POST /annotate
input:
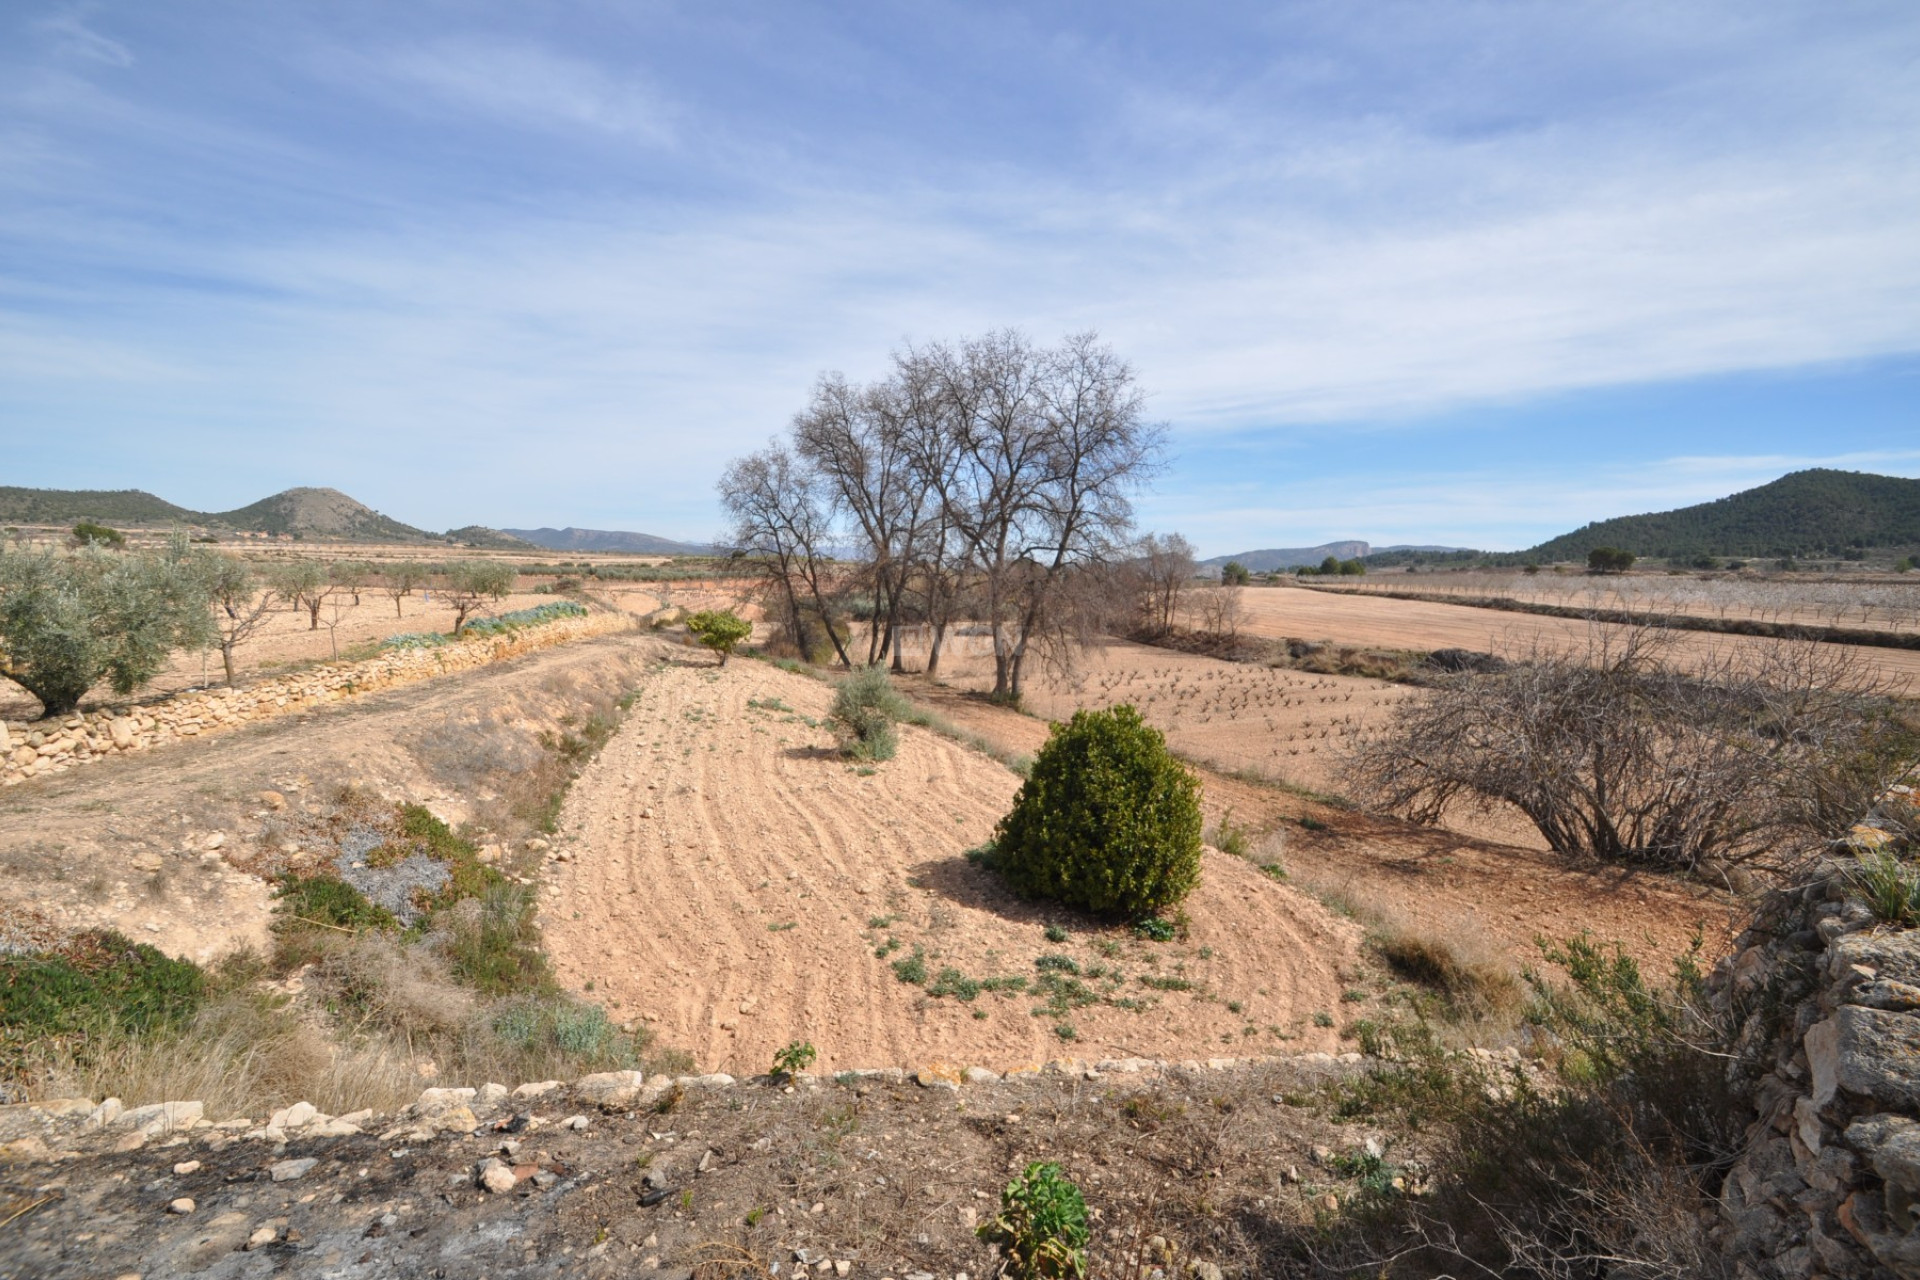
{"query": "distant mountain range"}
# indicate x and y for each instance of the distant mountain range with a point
(607, 540)
(303, 513)
(1803, 513)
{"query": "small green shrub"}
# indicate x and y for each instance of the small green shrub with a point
(1154, 929)
(866, 708)
(913, 969)
(1042, 1224)
(1891, 887)
(493, 941)
(88, 533)
(96, 981)
(1107, 820)
(795, 1058)
(328, 901)
(1055, 933)
(720, 630)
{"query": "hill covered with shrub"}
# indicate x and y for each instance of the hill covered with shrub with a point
(1813, 512)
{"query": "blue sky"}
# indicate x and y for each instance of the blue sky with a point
(1468, 273)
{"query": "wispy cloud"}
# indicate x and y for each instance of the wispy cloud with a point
(637, 236)
(71, 36)
(514, 83)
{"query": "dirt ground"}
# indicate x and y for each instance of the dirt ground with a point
(733, 879)
(1482, 895)
(1394, 623)
(159, 845)
(1285, 725)
(890, 1179)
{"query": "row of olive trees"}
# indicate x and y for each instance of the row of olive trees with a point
(987, 479)
(71, 619)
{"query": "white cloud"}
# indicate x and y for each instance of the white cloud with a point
(521, 83)
(72, 36)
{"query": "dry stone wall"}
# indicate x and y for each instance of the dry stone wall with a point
(1827, 1001)
(38, 749)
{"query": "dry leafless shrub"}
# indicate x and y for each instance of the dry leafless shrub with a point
(1623, 752)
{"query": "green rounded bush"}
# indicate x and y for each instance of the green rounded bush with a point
(1108, 819)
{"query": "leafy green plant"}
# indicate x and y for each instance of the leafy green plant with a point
(913, 969)
(866, 707)
(70, 620)
(720, 630)
(1891, 887)
(1055, 933)
(1107, 820)
(1042, 1225)
(95, 979)
(1154, 929)
(89, 533)
(795, 1058)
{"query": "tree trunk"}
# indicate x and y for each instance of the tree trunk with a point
(226, 660)
(313, 616)
(933, 653)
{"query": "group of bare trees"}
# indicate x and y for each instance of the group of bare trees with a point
(985, 480)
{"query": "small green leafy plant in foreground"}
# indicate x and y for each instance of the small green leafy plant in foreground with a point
(1042, 1225)
(796, 1057)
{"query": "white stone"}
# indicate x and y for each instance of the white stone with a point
(610, 1088)
(431, 1100)
(291, 1170)
(183, 1205)
(105, 1114)
(536, 1089)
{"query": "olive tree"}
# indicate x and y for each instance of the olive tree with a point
(399, 581)
(303, 584)
(239, 607)
(70, 620)
(471, 583)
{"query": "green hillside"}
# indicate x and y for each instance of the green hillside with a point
(1803, 513)
(306, 512)
(70, 506)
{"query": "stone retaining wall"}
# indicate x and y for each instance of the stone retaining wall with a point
(31, 750)
(1827, 1001)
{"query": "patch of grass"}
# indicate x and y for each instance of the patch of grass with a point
(952, 982)
(1056, 964)
(1322, 1018)
(880, 922)
(1311, 823)
(1159, 982)
(782, 928)
(1155, 929)
(1055, 933)
(1232, 838)
(1890, 886)
(913, 969)
(97, 984)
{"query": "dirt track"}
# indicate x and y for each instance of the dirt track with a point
(739, 916)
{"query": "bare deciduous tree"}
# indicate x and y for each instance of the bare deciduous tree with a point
(1623, 753)
(1165, 566)
(778, 515)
